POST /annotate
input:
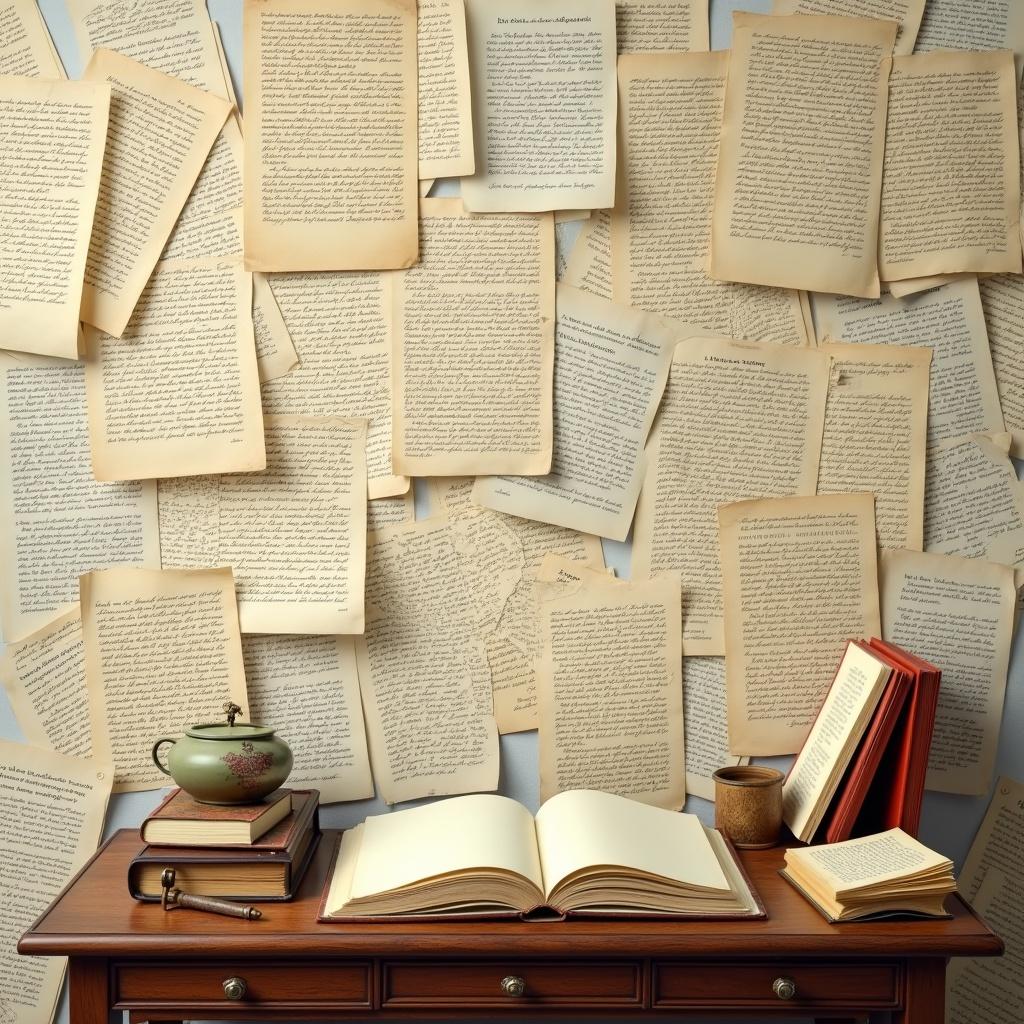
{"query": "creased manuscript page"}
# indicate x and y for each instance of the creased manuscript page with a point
(50, 161)
(972, 25)
(474, 344)
(56, 520)
(907, 13)
(26, 48)
(671, 118)
(956, 613)
(799, 579)
(162, 650)
(611, 692)
(421, 663)
(51, 821)
(951, 182)
(738, 420)
(383, 512)
(193, 328)
(662, 26)
(330, 142)
(589, 266)
(796, 202)
(544, 106)
(707, 733)
(611, 365)
(1002, 298)
(999, 841)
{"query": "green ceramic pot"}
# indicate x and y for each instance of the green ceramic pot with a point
(226, 763)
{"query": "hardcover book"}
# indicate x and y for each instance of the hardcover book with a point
(182, 820)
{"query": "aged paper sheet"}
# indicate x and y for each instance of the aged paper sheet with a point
(963, 398)
(193, 327)
(51, 821)
(907, 14)
(543, 83)
(309, 688)
(445, 107)
(738, 420)
(341, 324)
(796, 202)
(799, 579)
(611, 692)
(707, 734)
(611, 365)
(474, 342)
(956, 613)
(999, 842)
(383, 512)
(50, 166)
(295, 534)
(162, 651)
(589, 266)
(25, 45)
(952, 118)
(671, 115)
(421, 665)
(1002, 298)
(330, 142)
(662, 26)
(56, 520)
(972, 25)
(160, 133)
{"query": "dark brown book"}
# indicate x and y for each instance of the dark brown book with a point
(270, 869)
(181, 820)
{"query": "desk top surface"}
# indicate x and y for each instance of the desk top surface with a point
(95, 916)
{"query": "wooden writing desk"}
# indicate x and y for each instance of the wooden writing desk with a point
(184, 964)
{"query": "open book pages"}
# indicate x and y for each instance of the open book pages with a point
(586, 852)
(888, 873)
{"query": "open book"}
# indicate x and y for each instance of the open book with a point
(486, 856)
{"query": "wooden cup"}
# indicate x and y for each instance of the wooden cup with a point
(748, 805)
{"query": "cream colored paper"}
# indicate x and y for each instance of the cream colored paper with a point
(341, 324)
(445, 108)
(25, 45)
(662, 26)
(799, 579)
(473, 345)
(972, 25)
(738, 420)
(907, 13)
(796, 202)
(383, 512)
(543, 81)
(865, 364)
(178, 393)
(50, 165)
(44, 675)
(225, 71)
(162, 652)
(309, 688)
(707, 735)
(998, 844)
(295, 534)
(330, 143)
(913, 285)
(1002, 298)
(589, 266)
(956, 613)
(671, 115)
(963, 398)
(952, 119)
(56, 521)
(275, 352)
(611, 693)
(421, 662)
(51, 812)
(611, 365)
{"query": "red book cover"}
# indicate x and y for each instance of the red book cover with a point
(179, 806)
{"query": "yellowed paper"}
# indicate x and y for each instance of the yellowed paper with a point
(330, 143)
(50, 166)
(611, 365)
(162, 652)
(543, 83)
(738, 420)
(383, 512)
(611, 692)
(445, 108)
(913, 285)
(952, 118)
(1002, 298)
(799, 579)
(157, 142)
(225, 71)
(796, 202)
(275, 352)
(51, 811)
(56, 521)
(308, 687)
(956, 613)
(662, 26)
(972, 25)
(671, 113)
(907, 13)
(25, 45)
(474, 340)
(178, 393)
(421, 664)
(707, 736)
(998, 844)
(589, 266)
(341, 324)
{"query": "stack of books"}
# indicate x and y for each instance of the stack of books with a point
(244, 852)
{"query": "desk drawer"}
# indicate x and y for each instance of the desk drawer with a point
(752, 985)
(512, 984)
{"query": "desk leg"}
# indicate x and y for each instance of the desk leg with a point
(89, 990)
(924, 1001)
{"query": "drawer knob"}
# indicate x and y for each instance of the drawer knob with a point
(513, 986)
(235, 989)
(784, 988)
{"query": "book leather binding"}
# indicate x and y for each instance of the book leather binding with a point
(179, 807)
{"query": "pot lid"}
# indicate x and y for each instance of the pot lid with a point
(223, 731)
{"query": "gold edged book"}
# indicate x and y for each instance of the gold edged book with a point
(487, 856)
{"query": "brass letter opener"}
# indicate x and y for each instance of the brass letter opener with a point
(173, 898)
